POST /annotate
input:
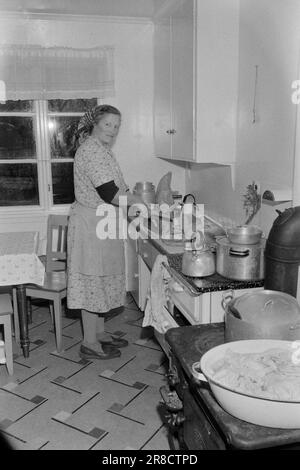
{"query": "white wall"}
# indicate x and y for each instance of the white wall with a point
(133, 41)
(269, 38)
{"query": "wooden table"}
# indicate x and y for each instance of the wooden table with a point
(20, 265)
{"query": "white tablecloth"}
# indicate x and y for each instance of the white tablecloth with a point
(19, 263)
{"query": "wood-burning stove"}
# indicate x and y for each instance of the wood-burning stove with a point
(202, 423)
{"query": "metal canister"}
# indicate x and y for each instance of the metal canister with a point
(146, 190)
(283, 253)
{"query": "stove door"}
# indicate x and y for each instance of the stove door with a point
(198, 432)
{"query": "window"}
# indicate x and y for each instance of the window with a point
(37, 147)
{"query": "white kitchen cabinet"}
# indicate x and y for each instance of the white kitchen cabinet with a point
(144, 282)
(196, 81)
(147, 254)
(195, 309)
(182, 81)
(132, 268)
(162, 89)
(138, 263)
(173, 83)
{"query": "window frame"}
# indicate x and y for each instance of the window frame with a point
(43, 160)
(36, 128)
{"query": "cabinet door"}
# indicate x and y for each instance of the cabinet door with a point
(217, 61)
(131, 268)
(182, 81)
(162, 90)
(144, 282)
(199, 433)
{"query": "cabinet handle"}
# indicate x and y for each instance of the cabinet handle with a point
(171, 131)
(135, 275)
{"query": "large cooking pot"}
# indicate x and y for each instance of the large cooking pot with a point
(263, 314)
(240, 262)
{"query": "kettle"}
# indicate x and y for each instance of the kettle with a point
(198, 259)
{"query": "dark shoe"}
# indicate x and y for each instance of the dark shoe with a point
(109, 352)
(116, 342)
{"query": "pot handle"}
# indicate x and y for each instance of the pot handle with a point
(226, 299)
(198, 240)
(196, 372)
(240, 254)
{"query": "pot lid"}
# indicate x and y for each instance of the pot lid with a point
(224, 241)
(267, 306)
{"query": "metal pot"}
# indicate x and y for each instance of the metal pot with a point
(240, 262)
(264, 314)
(244, 234)
(144, 186)
(146, 190)
(198, 259)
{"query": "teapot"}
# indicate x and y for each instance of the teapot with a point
(198, 259)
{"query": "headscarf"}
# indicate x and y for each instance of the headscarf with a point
(90, 118)
(86, 124)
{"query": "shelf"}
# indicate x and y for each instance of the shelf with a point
(274, 203)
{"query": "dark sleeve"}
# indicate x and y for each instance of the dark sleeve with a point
(107, 191)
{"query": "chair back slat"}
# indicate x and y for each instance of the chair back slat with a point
(59, 238)
(64, 242)
(56, 251)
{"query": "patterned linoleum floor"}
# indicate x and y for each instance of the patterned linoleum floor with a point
(61, 402)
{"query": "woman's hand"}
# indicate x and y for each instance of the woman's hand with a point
(132, 204)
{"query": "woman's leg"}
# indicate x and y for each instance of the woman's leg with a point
(106, 338)
(101, 333)
(89, 323)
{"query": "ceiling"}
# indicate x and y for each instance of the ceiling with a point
(131, 8)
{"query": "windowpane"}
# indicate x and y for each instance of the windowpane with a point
(17, 106)
(69, 106)
(63, 183)
(19, 184)
(17, 138)
(62, 136)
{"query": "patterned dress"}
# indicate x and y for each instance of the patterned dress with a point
(96, 268)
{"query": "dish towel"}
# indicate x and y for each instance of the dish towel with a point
(157, 295)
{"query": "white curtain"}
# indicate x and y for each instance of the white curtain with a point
(37, 73)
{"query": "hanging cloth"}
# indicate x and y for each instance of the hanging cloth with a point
(31, 72)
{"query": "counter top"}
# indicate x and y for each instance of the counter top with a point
(188, 344)
(198, 286)
(195, 286)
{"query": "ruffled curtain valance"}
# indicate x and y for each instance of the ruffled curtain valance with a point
(37, 73)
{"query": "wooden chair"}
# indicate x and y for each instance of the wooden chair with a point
(6, 312)
(55, 285)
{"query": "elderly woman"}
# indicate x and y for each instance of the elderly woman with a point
(96, 267)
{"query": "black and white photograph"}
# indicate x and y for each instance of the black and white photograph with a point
(149, 227)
